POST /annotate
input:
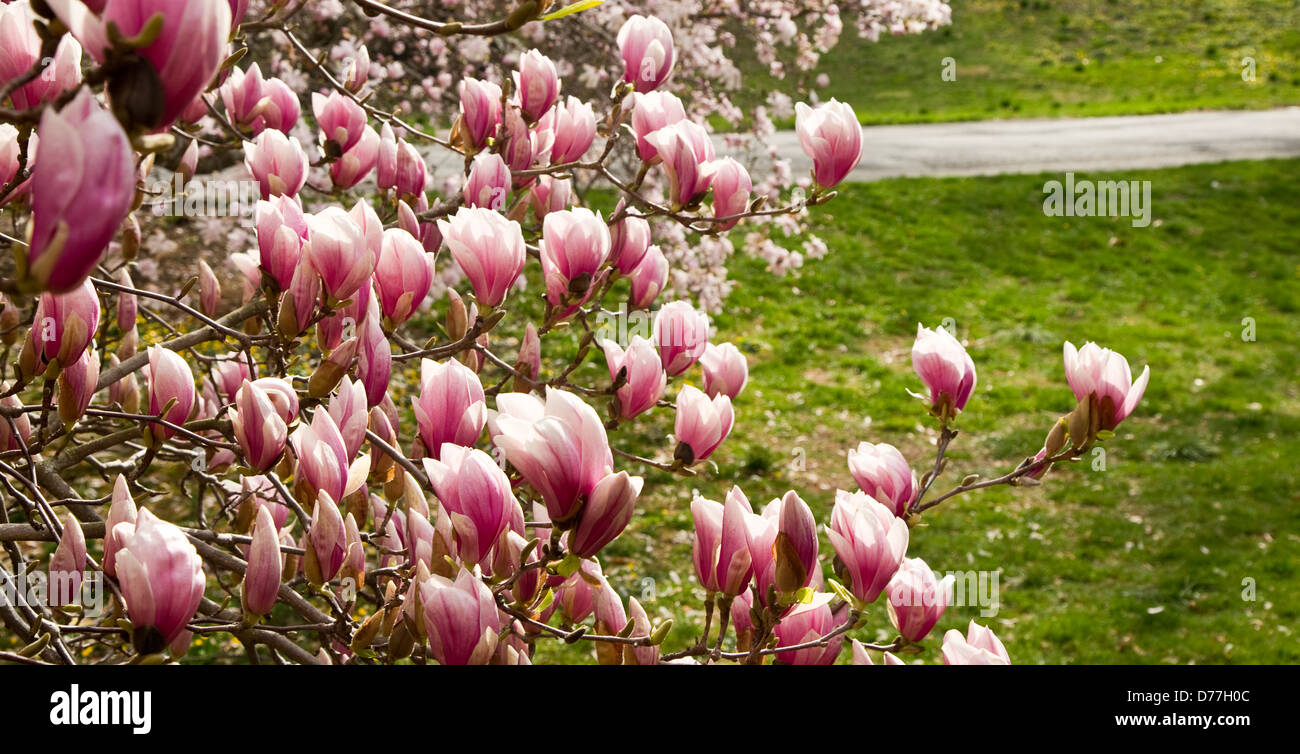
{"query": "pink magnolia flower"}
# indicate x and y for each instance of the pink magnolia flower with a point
(126, 391)
(460, 618)
(805, 623)
(831, 136)
(870, 541)
(610, 615)
(574, 124)
(607, 513)
(127, 306)
(186, 54)
(648, 278)
(415, 531)
(450, 407)
(558, 445)
(629, 239)
(651, 112)
(326, 542)
(281, 232)
(795, 547)
(258, 427)
(121, 511)
(488, 183)
(189, 162)
(681, 333)
(480, 110)
(427, 231)
(731, 189)
(300, 299)
(946, 369)
(17, 435)
(242, 93)
(77, 385)
(643, 375)
(10, 148)
(194, 112)
(356, 163)
(282, 397)
(386, 167)
(64, 325)
(549, 195)
(517, 149)
(237, 10)
(169, 378)
(261, 585)
(641, 627)
(277, 162)
(68, 563)
(883, 473)
(980, 646)
(475, 492)
(646, 46)
(741, 619)
(763, 531)
(322, 457)
(161, 576)
(574, 248)
(860, 656)
(1101, 375)
(412, 173)
(209, 289)
(721, 545)
(339, 252)
(529, 361)
(702, 424)
(917, 599)
(576, 596)
(372, 231)
(374, 358)
(354, 560)
(342, 324)
(341, 120)
(279, 107)
(688, 158)
(725, 370)
(488, 248)
(356, 71)
(403, 275)
(81, 192)
(537, 83)
(20, 49)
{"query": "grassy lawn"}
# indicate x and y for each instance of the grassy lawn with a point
(1142, 562)
(1040, 58)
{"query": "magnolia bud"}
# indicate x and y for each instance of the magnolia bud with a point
(401, 643)
(1080, 424)
(457, 316)
(370, 629)
(130, 238)
(331, 370)
(1056, 438)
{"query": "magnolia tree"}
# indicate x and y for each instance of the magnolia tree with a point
(362, 438)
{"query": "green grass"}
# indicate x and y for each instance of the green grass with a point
(1034, 58)
(1143, 562)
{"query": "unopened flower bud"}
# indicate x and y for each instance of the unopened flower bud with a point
(331, 370)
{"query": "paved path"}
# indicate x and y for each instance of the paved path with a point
(1057, 145)
(993, 147)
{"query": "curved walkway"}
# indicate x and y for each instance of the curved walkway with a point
(1056, 145)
